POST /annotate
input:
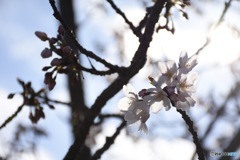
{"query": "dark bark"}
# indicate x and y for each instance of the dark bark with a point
(76, 91)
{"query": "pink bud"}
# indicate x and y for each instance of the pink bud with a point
(46, 53)
(61, 30)
(142, 93)
(67, 49)
(55, 62)
(53, 40)
(41, 35)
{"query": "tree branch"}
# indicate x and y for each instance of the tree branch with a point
(118, 11)
(97, 72)
(189, 122)
(227, 6)
(137, 63)
(109, 142)
(12, 116)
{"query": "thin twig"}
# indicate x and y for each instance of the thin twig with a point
(189, 122)
(203, 46)
(12, 116)
(227, 6)
(104, 116)
(97, 72)
(109, 142)
(54, 101)
(132, 27)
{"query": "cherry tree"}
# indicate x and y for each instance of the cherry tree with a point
(172, 88)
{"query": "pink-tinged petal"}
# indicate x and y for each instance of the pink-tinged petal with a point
(142, 93)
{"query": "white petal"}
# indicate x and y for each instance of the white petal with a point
(123, 104)
(156, 107)
(183, 78)
(161, 81)
(192, 61)
(166, 103)
(128, 88)
(192, 77)
(162, 67)
(171, 66)
(183, 59)
(191, 101)
(182, 70)
(130, 118)
(182, 105)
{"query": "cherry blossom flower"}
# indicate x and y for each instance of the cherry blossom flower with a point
(174, 87)
(168, 70)
(135, 109)
(130, 97)
(157, 97)
(186, 64)
(185, 88)
(138, 111)
(186, 83)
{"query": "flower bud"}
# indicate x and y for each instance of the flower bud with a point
(46, 53)
(48, 77)
(67, 49)
(41, 35)
(55, 62)
(61, 30)
(53, 40)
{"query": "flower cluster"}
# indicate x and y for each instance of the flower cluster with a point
(67, 62)
(33, 99)
(174, 87)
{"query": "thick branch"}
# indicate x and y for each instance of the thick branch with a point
(137, 63)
